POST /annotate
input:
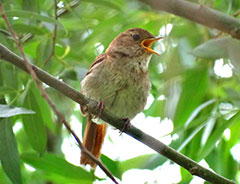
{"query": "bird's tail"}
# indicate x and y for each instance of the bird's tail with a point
(93, 139)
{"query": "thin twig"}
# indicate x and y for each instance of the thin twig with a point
(64, 10)
(54, 35)
(51, 104)
(236, 13)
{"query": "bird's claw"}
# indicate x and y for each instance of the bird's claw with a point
(126, 125)
(101, 108)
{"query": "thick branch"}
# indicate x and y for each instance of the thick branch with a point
(153, 143)
(200, 14)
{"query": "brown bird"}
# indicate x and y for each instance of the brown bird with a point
(118, 79)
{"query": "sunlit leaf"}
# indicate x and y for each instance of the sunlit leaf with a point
(217, 134)
(215, 48)
(8, 111)
(234, 54)
(111, 165)
(135, 163)
(221, 160)
(155, 109)
(197, 110)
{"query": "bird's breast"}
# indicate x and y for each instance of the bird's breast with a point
(122, 88)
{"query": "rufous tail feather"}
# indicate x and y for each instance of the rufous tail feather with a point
(93, 139)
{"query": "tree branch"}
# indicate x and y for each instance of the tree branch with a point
(193, 167)
(200, 14)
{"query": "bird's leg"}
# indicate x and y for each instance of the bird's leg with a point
(126, 125)
(101, 108)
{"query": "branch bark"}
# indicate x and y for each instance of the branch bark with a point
(193, 167)
(199, 14)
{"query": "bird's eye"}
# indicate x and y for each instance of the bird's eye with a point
(136, 37)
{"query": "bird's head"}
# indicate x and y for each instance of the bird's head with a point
(134, 42)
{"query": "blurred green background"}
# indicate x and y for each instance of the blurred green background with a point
(195, 84)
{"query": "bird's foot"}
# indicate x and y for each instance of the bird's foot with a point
(100, 107)
(126, 125)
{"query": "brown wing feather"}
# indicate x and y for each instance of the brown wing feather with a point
(98, 59)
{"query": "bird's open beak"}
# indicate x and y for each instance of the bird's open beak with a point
(147, 43)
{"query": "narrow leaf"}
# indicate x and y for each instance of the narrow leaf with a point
(50, 163)
(8, 152)
(33, 123)
(30, 15)
(234, 54)
(25, 28)
(106, 4)
(197, 110)
(217, 134)
(194, 86)
(212, 49)
(137, 162)
(8, 111)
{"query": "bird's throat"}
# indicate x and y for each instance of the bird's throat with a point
(140, 65)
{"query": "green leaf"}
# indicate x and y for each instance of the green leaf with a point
(197, 111)
(118, 168)
(184, 49)
(212, 49)
(221, 160)
(8, 152)
(8, 111)
(217, 134)
(45, 110)
(137, 162)
(32, 5)
(234, 54)
(33, 123)
(225, 47)
(190, 137)
(111, 165)
(25, 28)
(50, 163)
(194, 85)
(6, 90)
(43, 50)
(30, 15)
(155, 110)
(105, 3)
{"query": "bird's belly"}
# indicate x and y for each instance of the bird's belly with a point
(123, 95)
(125, 101)
(128, 102)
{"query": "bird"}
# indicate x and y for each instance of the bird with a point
(118, 79)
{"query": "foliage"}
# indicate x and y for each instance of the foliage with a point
(202, 102)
